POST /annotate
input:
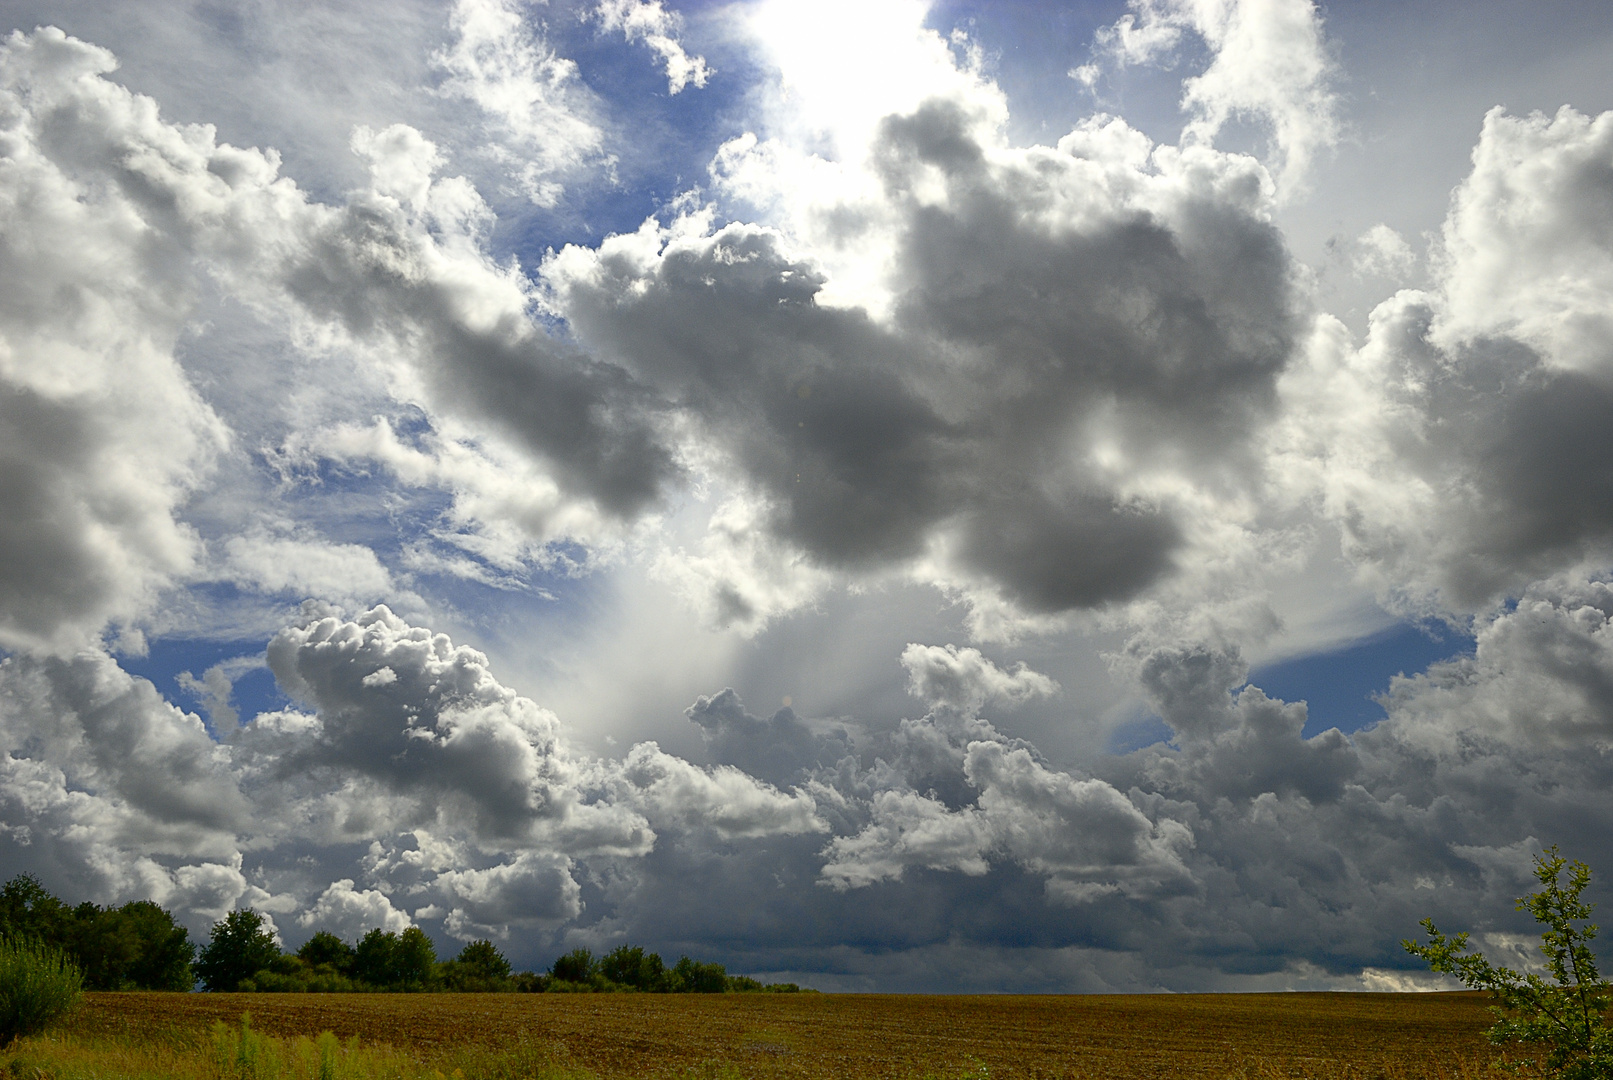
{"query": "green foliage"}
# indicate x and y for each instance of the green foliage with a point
(238, 949)
(326, 950)
(163, 954)
(1566, 1016)
(577, 966)
(134, 947)
(692, 977)
(479, 968)
(38, 984)
(406, 961)
(630, 965)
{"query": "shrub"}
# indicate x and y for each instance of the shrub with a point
(38, 983)
(1567, 1015)
(239, 948)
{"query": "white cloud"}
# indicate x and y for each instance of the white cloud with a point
(964, 680)
(531, 96)
(650, 22)
(350, 913)
(1382, 252)
(102, 437)
(1268, 61)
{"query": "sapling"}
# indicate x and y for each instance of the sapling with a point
(1565, 1017)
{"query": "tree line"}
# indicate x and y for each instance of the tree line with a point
(139, 946)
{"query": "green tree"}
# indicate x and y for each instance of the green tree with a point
(165, 953)
(327, 950)
(479, 968)
(375, 959)
(692, 977)
(29, 911)
(416, 960)
(238, 948)
(630, 965)
(1566, 1016)
(577, 966)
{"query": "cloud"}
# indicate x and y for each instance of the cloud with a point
(102, 436)
(1456, 448)
(964, 680)
(350, 913)
(1268, 61)
(867, 451)
(530, 95)
(307, 566)
(1382, 252)
(650, 22)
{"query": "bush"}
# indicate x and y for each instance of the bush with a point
(1567, 1015)
(38, 983)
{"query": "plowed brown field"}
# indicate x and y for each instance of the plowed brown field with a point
(876, 1036)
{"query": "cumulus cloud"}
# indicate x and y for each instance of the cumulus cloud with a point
(1456, 447)
(102, 436)
(350, 913)
(925, 441)
(1268, 61)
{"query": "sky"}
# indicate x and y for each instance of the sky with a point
(966, 496)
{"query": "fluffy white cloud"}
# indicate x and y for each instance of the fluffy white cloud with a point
(1268, 61)
(101, 434)
(1458, 448)
(350, 913)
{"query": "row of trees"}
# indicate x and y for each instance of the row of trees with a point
(242, 955)
(138, 946)
(629, 967)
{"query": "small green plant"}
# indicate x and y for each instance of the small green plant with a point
(1566, 1016)
(37, 984)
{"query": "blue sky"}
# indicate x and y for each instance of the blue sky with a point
(904, 496)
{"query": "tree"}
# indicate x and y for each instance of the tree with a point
(165, 953)
(325, 949)
(416, 960)
(375, 958)
(479, 967)
(405, 961)
(1566, 1016)
(630, 965)
(692, 977)
(238, 949)
(577, 966)
(28, 910)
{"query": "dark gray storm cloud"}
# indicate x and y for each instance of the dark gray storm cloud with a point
(1037, 325)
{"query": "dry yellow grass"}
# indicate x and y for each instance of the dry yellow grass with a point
(1214, 1037)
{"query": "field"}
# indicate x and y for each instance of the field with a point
(609, 1036)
